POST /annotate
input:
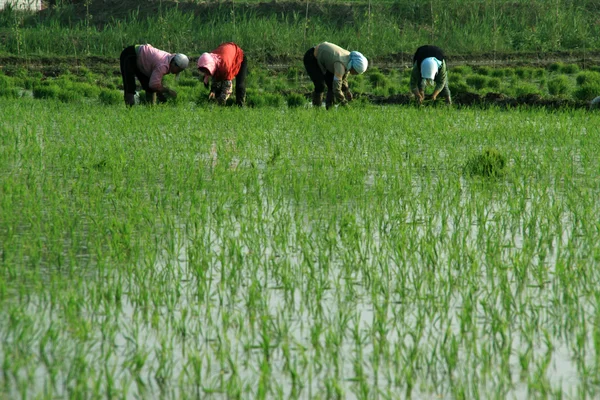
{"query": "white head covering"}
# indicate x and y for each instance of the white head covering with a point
(429, 68)
(181, 60)
(358, 62)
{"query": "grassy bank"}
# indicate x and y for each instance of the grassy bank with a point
(274, 31)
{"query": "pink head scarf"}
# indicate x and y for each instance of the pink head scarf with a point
(208, 61)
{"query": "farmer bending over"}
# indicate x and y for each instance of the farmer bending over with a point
(429, 67)
(149, 65)
(222, 65)
(329, 64)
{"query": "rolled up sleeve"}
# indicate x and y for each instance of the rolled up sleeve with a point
(339, 76)
(157, 77)
(441, 78)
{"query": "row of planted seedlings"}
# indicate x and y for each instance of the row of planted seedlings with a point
(291, 86)
(291, 254)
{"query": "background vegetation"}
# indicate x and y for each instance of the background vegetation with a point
(284, 30)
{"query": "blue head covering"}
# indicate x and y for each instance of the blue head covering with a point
(358, 62)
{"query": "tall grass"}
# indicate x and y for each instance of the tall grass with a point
(282, 30)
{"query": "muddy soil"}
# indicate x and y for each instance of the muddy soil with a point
(468, 99)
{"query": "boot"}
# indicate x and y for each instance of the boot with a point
(317, 99)
(329, 100)
(129, 99)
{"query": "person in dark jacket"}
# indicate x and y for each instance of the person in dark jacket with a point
(429, 68)
(149, 65)
(223, 64)
(329, 64)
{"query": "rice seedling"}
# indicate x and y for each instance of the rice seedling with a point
(287, 252)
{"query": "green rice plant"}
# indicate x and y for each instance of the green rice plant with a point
(378, 80)
(110, 97)
(10, 92)
(188, 82)
(556, 67)
(587, 91)
(569, 69)
(484, 70)
(462, 70)
(494, 83)
(85, 90)
(295, 100)
(524, 72)
(489, 163)
(458, 86)
(67, 95)
(524, 89)
(46, 91)
(587, 77)
(477, 81)
(588, 85)
(212, 246)
(559, 85)
(273, 100)
(6, 82)
(498, 72)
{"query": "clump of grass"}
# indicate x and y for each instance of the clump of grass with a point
(273, 100)
(378, 80)
(188, 82)
(587, 77)
(462, 70)
(494, 83)
(489, 163)
(525, 88)
(10, 92)
(458, 86)
(255, 99)
(524, 72)
(5, 82)
(484, 70)
(67, 96)
(46, 92)
(110, 97)
(587, 92)
(588, 83)
(559, 85)
(477, 81)
(556, 67)
(570, 69)
(295, 100)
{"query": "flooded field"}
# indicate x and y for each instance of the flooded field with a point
(198, 252)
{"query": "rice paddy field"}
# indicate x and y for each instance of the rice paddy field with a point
(382, 250)
(364, 252)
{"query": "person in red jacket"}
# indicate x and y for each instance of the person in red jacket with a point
(222, 65)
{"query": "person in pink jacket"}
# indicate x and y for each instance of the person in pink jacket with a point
(149, 65)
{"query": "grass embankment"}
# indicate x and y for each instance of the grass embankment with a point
(283, 31)
(297, 253)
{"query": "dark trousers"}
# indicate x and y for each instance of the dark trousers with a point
(130, 70)
(316, 75)
(240, 83)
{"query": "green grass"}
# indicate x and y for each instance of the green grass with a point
(291, 86)
(282, 30)
(296, 253)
